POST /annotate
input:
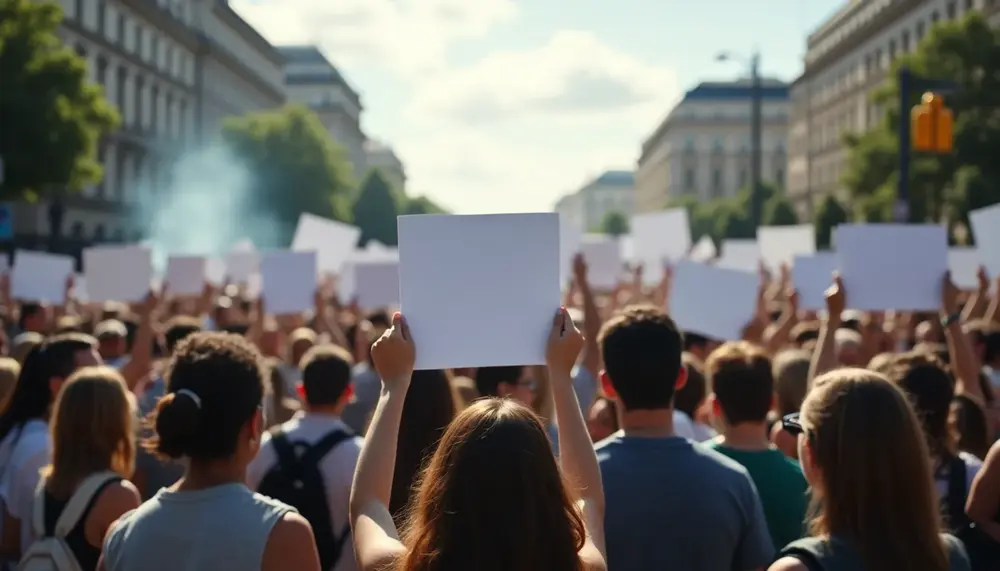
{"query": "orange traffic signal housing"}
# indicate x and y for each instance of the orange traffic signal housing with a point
(931, 125)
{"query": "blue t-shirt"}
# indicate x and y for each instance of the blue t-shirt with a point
(675, 504)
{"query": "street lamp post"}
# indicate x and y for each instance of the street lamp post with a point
(756, 119)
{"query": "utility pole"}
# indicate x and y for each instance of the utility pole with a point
(756, 98)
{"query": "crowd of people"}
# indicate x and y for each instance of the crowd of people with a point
(207, 435)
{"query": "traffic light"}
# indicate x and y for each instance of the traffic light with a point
(931, 125)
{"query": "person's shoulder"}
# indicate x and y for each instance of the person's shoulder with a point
(958, 558)
(609, 443)
(270, 504)
(970, 460)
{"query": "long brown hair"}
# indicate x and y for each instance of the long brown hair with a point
(92, 427)
(493, 499)
(873, 462)
(427, 411)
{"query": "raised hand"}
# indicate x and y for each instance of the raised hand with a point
(564, 345)
(836, 298)
(394, 354)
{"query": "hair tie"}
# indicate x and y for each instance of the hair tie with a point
(190, 394)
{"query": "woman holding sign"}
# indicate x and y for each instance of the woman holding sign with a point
(492, 496)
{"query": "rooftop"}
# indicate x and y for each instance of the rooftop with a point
(615, 178)
(741, 89)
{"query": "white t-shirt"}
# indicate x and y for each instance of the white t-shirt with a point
(23, 454)
(337, 468)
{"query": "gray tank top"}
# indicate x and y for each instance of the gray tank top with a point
(224, 528)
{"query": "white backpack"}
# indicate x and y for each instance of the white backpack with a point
(51, 553)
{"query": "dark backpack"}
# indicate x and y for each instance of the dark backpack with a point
(297, 480)
(983, 551)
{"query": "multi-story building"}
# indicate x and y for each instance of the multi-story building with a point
(311, 79)
(173, 69)
(380, 156)
(612, 191)
(847, 57)
(703, 147)
(239, 70)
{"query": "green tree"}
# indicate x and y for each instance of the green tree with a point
(967, 52)
(421, 205)
(829, 215)
(296, 166)
(778, 211)
(51, 116)
(614, 223)
(375, 210)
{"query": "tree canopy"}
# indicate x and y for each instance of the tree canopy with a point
(778, 211)
(614, 223)
(421, 205)
(829, 214)
(51, 115)
(375, 210)
(729, 217)
(296, 165)
(942, 187)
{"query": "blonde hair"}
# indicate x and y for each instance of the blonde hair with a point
(92, 428)
(873, 462)
(9, 371)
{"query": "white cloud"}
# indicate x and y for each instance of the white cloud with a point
(573, 74)
(410, 37)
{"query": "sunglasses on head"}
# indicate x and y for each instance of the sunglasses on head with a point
(792, 424)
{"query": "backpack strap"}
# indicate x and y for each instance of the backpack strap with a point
(75, 508)
(284, 450)
(325, 445)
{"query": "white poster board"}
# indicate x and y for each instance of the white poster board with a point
(985, 224)
(739, 254)
(186, 275)
(332, 241)
(242, 266)
(892, 266)
(963, 263)
(40, 276)
(660, 238)
(604, 261)
(711, 301)
(118, 273)
(373, 284)
(570, 237)
(288, 281)
(780, 244)
(479, 290)
(812, 275)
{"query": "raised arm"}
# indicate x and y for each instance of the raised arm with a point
(376, 540)
(825, 355)
(963, 361)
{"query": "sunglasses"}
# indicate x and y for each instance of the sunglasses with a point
(792, 424)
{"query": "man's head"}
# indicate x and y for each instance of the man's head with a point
(742, 383)
(112, 339)
(641, 348)
(326, 377)
(34, 317)
(178, 329)
(299, 343)
(60, 356)
(514, 381)
(926, 381)
(847, 344)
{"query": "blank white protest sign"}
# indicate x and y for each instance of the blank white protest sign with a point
(569, 246)
(479, 290)
(715, 302)
(812, 275)
(660, 237)
(333, 241)
(288, 281)
(373, 283)
(186, 275)
(985, 224)
(963, 263)
(118, 273)
(40, 276)
(242, 266)
(604, 260)
(739, 254)
(780, 244)
(892, 266)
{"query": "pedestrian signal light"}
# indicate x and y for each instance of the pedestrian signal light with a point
(931, 125)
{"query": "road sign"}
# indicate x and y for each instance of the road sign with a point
(6, 222)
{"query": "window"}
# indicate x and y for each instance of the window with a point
(689, 143)
(935, 17)
(120, 95)
(99, 234)
(137, 38)
(121, 29)
(79, 11)
(968, 5)
(718, 145)
(743, 177)
(920, 30)
(689, 179)
(102, 157)
(951, 10)
(154, 107)
(892, 50)
(81, 51)
(102, 71)
(120, 181)
(168, 59)
(140, 88)
(182, 119)
(101, 16)
(779, 176)
(168, 119)
(716, 182)
(155, 50)
(906, 41)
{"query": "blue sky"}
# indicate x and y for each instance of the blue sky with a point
(506, 105)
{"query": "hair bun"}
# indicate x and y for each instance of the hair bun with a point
(177, 417)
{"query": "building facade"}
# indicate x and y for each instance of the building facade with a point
(380, 156)
(173, 69)
(612, 191)
(702, 148)
(847, 57)
(311, 79)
